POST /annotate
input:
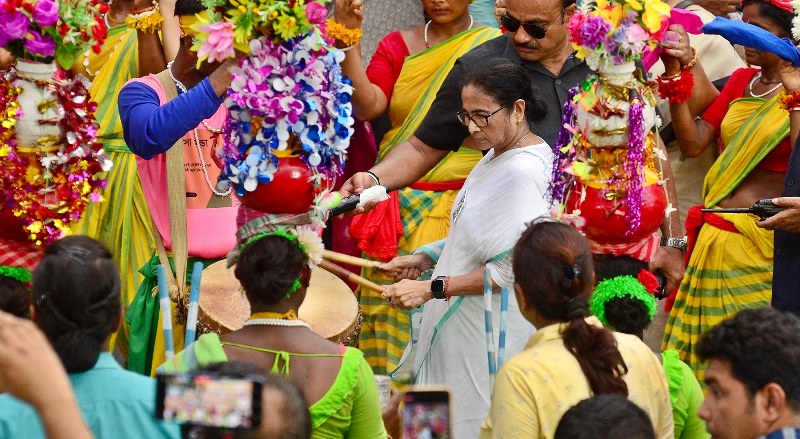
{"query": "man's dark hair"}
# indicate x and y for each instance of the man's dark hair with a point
(76, 288)
(295, 418)
(188, 7)
(605, 417)
(762, 347)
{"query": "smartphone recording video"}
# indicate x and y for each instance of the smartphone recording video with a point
(209, 400)
(426, 414)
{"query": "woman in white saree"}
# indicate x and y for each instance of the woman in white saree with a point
(505, 190)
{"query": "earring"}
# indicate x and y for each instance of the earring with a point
(519, 121)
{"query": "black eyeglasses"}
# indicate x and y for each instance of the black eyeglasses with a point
(534, 30)
(480, 120)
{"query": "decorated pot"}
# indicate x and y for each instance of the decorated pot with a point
(603, 106)
(604, 213)
(41, 113)
(290, 191)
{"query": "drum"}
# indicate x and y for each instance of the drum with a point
(330, 307)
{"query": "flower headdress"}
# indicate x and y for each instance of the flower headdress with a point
(284, 89)
(43, 30)
(298, 229)
(625, 286)
(23, 275)
(616, 31)
(231, 24)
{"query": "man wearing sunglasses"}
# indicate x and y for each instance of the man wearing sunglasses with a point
(538, 39)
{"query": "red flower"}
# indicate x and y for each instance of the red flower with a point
(103, 8)
(28, 7)
(649, 280)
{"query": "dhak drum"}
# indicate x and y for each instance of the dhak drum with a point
(330, 307)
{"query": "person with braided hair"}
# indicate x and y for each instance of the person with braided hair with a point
(572, 356)
(624, 301)
(77, 305)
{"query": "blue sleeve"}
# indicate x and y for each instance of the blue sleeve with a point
(151, 129)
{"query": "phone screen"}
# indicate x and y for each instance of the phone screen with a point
(426, 414)
(209, 400)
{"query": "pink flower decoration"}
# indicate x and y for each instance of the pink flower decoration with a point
(46, 13)
(316, 13)
(219, 45)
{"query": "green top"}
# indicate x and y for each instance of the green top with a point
(349, 409)
(686, 396)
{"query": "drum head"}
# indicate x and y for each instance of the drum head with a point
(330, 307)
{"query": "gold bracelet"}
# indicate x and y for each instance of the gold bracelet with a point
(692, 62)
(670, 77)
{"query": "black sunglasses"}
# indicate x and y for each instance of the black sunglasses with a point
(534, 30)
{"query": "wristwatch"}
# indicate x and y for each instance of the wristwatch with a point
(438, 287)
(679, 243)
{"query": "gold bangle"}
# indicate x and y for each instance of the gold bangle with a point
(692, 62)
(670, 77)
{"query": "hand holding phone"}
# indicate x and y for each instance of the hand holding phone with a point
(210, 400)
(426, 414)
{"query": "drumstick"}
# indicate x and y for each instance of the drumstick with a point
(349, 276)
(352, 260)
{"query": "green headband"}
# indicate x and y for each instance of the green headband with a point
(21, 274)
(617, 288)
(283, 233)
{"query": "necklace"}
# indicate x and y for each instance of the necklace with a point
(513, 147)
(425, 33)
(105, 16)
(756, 77)
(276, 322)
(197, 141)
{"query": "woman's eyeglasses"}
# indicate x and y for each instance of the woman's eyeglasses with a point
(534, 30)
(480, 120)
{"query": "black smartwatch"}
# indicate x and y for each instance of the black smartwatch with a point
(438, 287)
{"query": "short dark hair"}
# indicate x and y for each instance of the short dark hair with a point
(776, 15)
(553, 267)
(506, 81)
(295, 417)
(268, 268)
(76, 288)
(15, 297)
(762, 347)
(605, 417)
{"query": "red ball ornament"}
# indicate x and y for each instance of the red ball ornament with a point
(290, 190)
(605, 219)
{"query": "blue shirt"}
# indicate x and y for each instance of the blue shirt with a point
(115, 403)
(786, 433)
(150, 128)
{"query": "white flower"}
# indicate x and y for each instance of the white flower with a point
(307, 236)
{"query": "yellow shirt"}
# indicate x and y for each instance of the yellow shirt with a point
(534, 388)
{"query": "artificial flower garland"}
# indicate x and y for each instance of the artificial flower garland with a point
(44, 30)
(337, 31)
(147, 21)
(286, 90)
(49, 198)
(789, 101)
(619, 287)
(230, 24)
(676, 88)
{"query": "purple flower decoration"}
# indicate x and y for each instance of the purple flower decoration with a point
(40, 45)
(316, 13)
(594, 31)
(13, 25)
(46, 13)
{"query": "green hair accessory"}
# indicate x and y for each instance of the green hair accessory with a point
(21, 274)
(283, 233)
(617, 288)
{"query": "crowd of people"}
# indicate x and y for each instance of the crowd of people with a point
(471, 102)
